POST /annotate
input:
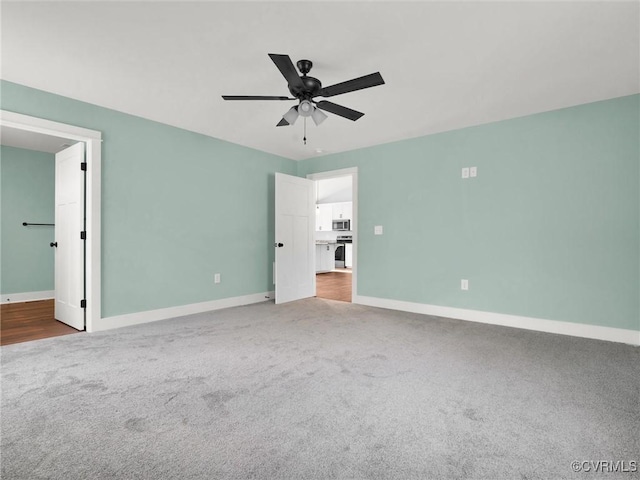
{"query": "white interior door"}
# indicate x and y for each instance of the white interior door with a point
(295, 244)
(69, 252)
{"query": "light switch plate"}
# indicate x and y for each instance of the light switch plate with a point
(465, 172)
(377, 230)
(473, 172)
(464, 284)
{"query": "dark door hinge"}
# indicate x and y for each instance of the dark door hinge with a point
(83, 166)
(83, 303)
(83, 235)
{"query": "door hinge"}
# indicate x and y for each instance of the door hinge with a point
(83, 235)
(83, 166)
(83, 303)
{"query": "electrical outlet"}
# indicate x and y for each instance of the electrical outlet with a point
(464, 284)
(473, 172)
(216, 278)
(465, 172)
(377, 230)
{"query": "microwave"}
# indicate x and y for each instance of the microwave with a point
(341, 225)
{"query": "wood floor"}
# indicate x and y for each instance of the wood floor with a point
(23, 322)
(334, 285)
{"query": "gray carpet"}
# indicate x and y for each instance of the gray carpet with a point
(316, 389)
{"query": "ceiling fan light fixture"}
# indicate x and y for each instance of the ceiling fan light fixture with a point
(305, 108)
(291, 116)
(318, 116)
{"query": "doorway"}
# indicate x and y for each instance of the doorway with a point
(336, 233)
(42, 268)
(27, 315)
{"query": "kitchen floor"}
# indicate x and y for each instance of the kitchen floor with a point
(335, 285)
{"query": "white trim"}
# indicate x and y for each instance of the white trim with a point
(130, 319)
(597, 332)
(40, 125)
(27, 296)
(93, 140)
(353, 171)
(343, 172)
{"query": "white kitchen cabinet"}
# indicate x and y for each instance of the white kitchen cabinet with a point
(325, 257)
(324, 213)
(348, 255)
(342, 210)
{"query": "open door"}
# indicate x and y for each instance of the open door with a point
(294, 242)
(69, 248)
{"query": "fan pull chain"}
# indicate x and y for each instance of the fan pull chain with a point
(305, 131)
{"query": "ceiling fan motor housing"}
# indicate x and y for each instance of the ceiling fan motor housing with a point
(310, 86)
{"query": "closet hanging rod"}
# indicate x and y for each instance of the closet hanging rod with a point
(25, 224)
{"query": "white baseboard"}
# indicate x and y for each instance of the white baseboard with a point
(117, 321)
(27, 296)
(609, 334)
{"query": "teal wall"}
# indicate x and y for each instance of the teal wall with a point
(177, 207)
(548, 229)
(27, 184)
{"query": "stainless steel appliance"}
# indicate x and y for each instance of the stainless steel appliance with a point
(342, 225)
(342, 240)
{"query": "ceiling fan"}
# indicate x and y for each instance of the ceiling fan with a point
(305, 89)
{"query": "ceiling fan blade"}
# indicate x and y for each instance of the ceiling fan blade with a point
(339, 110)
(254, 97)
(282, 123)
(289, 72)
(371, 80)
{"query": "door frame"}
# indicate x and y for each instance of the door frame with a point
(93, 157)
(343, 172)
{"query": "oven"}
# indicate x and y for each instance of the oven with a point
(341, 250)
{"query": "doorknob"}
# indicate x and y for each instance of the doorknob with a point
(53, 244)
(279, 245)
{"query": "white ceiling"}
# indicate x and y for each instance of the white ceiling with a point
(333, 190)
(14, 137)
(447, 65)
